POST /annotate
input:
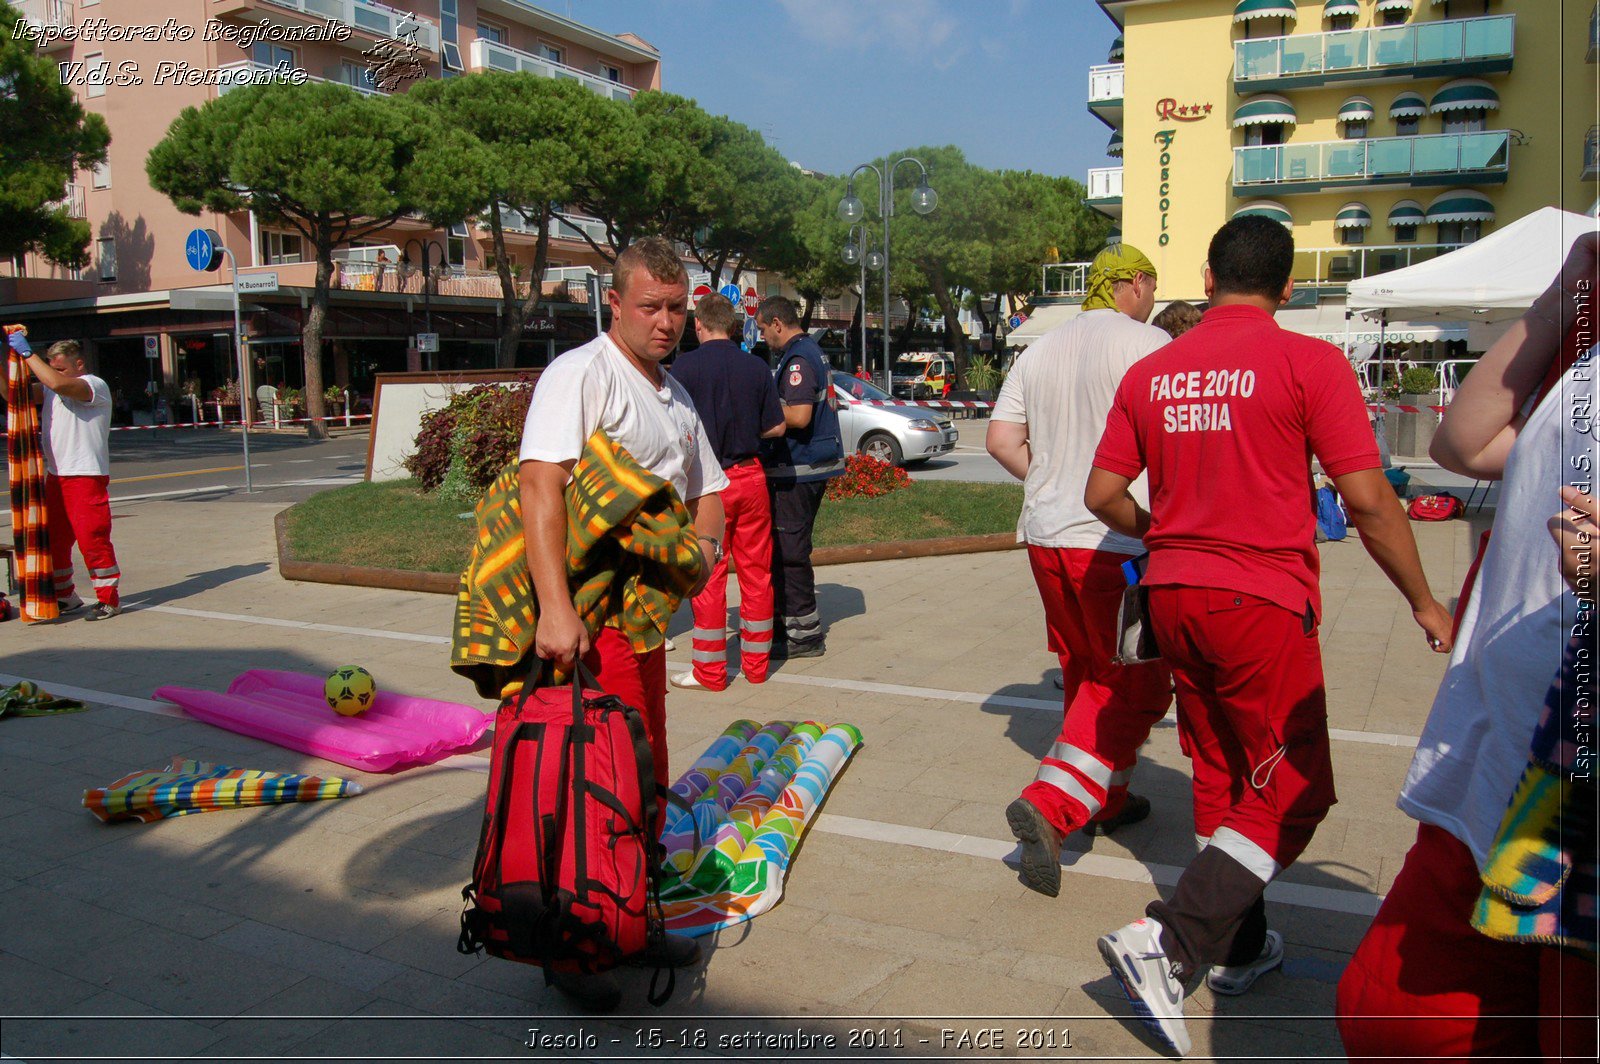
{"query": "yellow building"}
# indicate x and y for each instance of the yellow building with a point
(1382, 132)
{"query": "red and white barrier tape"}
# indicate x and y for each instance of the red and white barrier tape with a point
(932, 404)
(1378, 408)
(332, 418)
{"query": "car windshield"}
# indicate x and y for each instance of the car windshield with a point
(857, 388)
(909, 367)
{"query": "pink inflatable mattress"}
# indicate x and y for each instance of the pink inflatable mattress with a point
(287, 708)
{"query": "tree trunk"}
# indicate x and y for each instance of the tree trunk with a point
(511, 304)
(952, 323)
(541, 262)
(805, 318)
(311, 339)
(910, 327)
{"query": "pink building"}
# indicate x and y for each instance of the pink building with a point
(186, 52)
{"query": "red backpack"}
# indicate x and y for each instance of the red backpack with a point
(1440, 507)
(567, 875)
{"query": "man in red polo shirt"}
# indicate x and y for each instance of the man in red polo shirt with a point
(1225, 419)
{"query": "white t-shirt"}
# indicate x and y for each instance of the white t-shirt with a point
(1517, 623)
(1062, 388)
(77, 435)
(596, 387)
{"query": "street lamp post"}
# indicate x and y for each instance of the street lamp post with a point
(427, 304)
(851, 210)
(853, 254)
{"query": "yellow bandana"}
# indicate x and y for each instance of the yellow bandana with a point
(1118, 262)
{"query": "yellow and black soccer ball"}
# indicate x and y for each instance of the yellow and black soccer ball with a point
(350, 689)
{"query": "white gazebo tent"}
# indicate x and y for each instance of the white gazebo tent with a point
(1491, 280)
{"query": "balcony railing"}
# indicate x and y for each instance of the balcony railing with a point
(1105, 83)
(1591, 154)
(1105, 182)
(72, 200)
(572, 228)
(1339, 265)
(380, 20)
(1382, 51)
(249, 72)
(1065, 279)
(1389, 160)
(49, 18)
(487, 55)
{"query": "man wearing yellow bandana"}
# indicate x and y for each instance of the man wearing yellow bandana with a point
(1044, 430)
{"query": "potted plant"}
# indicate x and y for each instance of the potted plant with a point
(1410, 432)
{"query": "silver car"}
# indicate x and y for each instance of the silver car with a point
(900, 435)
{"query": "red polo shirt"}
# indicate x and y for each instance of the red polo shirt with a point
(1226, 419)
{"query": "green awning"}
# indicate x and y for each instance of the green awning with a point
(1114, 148)
(1357, 109)
(1407, 212)
(1116, 50)
(1465, 94)
(1335, 8)
(1266, 209)
(1461, 205)
(1245, 10)
(1408, 105)
(1352, 216)
(1114, 237)
(1266, 109)
(1394, 5)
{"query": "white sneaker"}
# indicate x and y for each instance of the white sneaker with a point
(1135, 957)
(1241, 977)
(672, 647)
(687, 680)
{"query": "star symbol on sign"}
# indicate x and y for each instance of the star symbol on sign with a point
(1208, 108)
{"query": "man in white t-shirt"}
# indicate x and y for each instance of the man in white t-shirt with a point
(1044, 430)
(616, 383)
(76, 426)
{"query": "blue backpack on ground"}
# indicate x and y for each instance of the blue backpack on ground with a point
(1330, 514)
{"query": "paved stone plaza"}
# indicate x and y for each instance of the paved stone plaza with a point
(329, 928)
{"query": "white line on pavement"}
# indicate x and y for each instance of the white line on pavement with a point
(803, 679)
(1124, 869)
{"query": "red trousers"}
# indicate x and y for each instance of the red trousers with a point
(1252, 716)
(1107, 709)
(748, 541)
(640, 680)
(78, 510)
(1425, 984)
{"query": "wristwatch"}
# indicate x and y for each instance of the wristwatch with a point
(716, 549)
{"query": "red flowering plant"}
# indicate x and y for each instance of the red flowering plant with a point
(866, 477)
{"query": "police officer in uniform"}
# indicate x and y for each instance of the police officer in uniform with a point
(808, 455)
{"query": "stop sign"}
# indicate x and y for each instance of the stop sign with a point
(751, 301)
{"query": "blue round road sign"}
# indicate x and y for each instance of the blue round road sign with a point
(202, 249)
(731, 293)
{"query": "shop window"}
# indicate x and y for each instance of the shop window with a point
(1459, 232)
(106, 252)
(1405, 234)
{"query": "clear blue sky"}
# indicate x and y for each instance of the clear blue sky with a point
(834, 83)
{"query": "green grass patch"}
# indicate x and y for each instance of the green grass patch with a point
(392, 525)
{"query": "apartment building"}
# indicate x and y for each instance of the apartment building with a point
(150, 319)
(1382, 132)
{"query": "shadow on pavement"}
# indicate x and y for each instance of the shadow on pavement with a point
(196, 583)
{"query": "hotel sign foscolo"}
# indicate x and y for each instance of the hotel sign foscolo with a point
(1170, 110)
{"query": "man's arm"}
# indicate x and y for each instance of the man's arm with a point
(1484, 417)
(1106, 495)
(63, 385)
(542, 485)
(796, 417)
(1007, 443)
(1386, 536)
(777, 430)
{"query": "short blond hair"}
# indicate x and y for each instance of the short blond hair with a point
(654, 254)
(71, 348)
